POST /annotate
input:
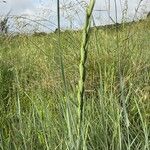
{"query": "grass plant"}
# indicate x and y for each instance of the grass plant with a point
(36, 110)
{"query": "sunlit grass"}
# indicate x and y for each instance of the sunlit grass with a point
(35, 113)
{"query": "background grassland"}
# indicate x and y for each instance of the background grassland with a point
(38, 111)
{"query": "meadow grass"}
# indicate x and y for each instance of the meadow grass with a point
(36, 112)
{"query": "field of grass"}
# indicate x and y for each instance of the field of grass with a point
(38, 91)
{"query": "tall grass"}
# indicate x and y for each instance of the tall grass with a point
(36, 111)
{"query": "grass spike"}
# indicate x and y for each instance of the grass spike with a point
(82, 69)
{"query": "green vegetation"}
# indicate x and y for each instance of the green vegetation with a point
(38, 110)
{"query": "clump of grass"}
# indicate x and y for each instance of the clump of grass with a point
(41, 116)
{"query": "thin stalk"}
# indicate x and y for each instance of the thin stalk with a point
(58, 15)
(59, 44)
(60, 54)
(82, 69)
